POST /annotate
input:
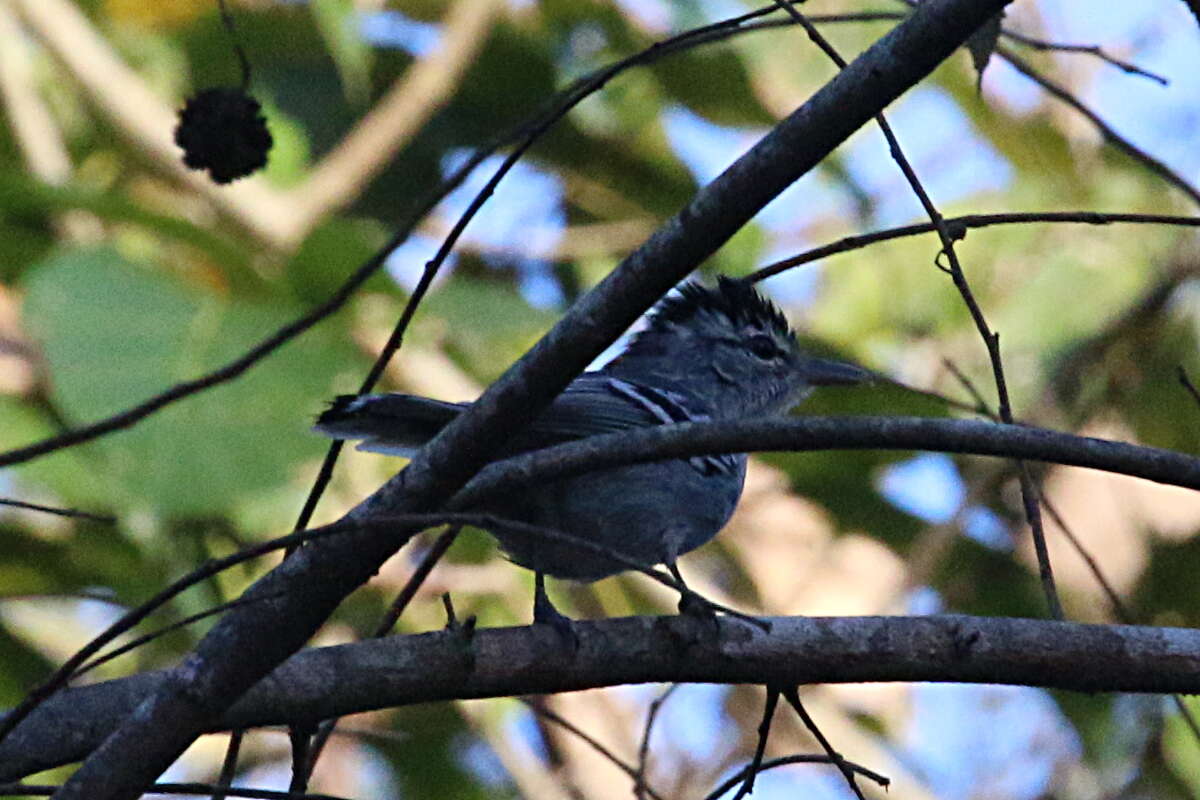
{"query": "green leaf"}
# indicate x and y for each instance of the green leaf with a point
(488, 325)
(336, 20)
(114, 334)
(713, 82)
(21, 196)
(331, 253)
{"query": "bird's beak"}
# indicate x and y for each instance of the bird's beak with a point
(824, 372)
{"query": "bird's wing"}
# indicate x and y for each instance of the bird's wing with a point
(596, 404)
(593, 404)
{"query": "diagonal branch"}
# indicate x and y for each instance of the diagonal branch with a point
(303, 591)
(1150, 162)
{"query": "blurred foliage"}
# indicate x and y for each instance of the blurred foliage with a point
(117, 281)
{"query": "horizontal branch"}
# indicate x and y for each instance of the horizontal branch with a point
(332, 681)
(958, 227)
(970, 437)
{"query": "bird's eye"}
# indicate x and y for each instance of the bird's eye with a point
(763, 346)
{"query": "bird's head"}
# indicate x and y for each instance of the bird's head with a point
(731, 344)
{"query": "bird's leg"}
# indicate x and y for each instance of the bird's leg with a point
(691, 603)
(544, 612)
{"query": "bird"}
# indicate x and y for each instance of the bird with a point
(722, 352)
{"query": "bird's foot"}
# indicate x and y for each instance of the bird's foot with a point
(544, 613)
(463, 632)
(700, 613)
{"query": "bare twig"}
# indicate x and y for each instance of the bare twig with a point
(644, 748)
(784, 761)
(45, 790)
(107, 519)
(159, 633)
(760, 747)
(542, 711)
(958, 227)
(1088, 49)
(1120, 610)
(1008, 33)
(1186, 382)
(980, 403)
(68, 668)
(428, 562)
(231, 29)
(974, 437)
(793, 698)
(1111, 136)
(72, 665)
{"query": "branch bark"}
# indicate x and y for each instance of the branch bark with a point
(842, 433)
(302, 592)
(502, 662)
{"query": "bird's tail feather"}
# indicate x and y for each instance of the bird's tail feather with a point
(397, 424)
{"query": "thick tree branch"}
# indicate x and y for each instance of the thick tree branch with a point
(302, 592)
(501, 662)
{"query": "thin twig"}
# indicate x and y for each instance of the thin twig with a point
(958, 227)
(68, 668)
(1120, 610)
(1088, 49)
(163, 631)
(783, 761)
(428, 562)
(1111, 136)
(760, 747)
(644, 747)
(793, 698)
(409, 590)
(45, 790)
(980, 403)
(231, 30)
(567, 725)
(107, 519)
(1015, 36)
(1187, 384)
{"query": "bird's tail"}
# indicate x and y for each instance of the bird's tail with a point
(396, 424)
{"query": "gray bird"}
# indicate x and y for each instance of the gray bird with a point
(706, 354)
